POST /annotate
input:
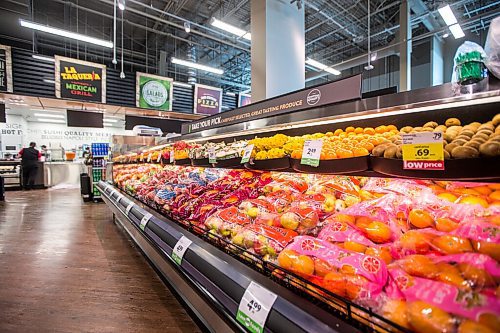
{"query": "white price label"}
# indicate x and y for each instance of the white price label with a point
(145, 219)
(172, 159)
(120, 196)
(180, 248)
(159, 158)
(247, 154)
(254, 307)
(211, 155)
(113, 191)
(149, 157)
(129, 207)
(311, 152)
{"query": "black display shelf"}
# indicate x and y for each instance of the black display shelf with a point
(222, 271)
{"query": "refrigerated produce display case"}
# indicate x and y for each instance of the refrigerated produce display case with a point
(382, 218)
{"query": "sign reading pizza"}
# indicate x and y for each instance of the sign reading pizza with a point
(207, 100)
(154, 92)
(80, 80)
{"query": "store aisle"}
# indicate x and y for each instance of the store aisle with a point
(66, 267)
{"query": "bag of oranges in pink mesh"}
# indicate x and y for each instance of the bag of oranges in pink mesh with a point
(345, 273)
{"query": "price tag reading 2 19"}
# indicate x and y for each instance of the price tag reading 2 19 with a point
(423, 151)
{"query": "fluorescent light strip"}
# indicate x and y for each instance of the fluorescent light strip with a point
(43, 58)
(65, 33)
(230, 93)
(322, 67)
(197, 66)
(457, 31)
(447, 15)
(181, 84)
(107, 120)
(230, 28)
(49, 120)
(337, 119)
(49, 81)
(48, 115)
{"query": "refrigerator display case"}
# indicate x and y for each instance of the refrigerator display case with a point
(357, 242)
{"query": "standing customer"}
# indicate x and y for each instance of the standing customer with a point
(29, 159)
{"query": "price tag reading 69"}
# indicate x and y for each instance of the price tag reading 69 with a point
(254, 307)
(423, 151)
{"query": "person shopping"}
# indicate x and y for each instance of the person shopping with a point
(29, 159)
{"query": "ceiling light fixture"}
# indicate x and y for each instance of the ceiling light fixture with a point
(49, 81)
(65, 33)
(187, 27)
(43, 58)
(181, 84)
(48, 115)
(197, 66)
(229, 93)
(451, 21)
(50, 120)
(373, 57)
(106, 120)
(322, 67)
(121, 4)
(230, 28)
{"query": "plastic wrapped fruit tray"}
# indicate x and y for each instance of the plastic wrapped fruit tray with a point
(486, 168)
(200, 162)
(274, 164)
(337, 166)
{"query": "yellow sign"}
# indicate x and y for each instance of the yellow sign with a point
(423, 151)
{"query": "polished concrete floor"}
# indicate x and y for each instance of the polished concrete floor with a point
(66, 267)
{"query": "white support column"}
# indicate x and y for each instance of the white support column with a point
(404, 47)
(437, 63)
(278, 48)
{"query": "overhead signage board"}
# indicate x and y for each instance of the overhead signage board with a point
(339, 91)
(80, 80)
(207, 100)
(5, 69)
(154, 92)
(244, 100)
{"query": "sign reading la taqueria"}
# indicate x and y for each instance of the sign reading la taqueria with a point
(80, 80)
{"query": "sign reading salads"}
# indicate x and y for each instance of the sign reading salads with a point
(154, 92)
(80, 80)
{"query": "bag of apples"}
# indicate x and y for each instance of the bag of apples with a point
(226, 222)
(263, 240)
(345, 273)
(303, 220)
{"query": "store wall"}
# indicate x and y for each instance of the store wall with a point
(69, 137)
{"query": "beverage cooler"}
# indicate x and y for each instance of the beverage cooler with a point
(378, 214)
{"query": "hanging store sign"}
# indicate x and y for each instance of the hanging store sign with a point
(80, 80)
(244, 100)
(207, 100)
(5, 69)
(339, 91)
(153, 92)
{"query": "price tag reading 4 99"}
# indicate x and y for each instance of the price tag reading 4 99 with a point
(423, 151)
(180, 248)
(254, 307)
(311, 152)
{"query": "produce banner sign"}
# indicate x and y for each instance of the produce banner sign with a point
(244, 99)
(5, 69)
(153, 92)
(333, 92)
(207, 100)
(80, 80)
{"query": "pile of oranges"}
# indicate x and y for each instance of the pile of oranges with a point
(350, 142)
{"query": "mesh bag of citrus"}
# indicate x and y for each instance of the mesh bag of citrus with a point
(346, 273)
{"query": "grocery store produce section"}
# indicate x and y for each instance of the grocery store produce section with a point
(404, 248)
(345, 213)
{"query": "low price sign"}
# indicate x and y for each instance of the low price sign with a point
(254, 307)
(423, 151)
